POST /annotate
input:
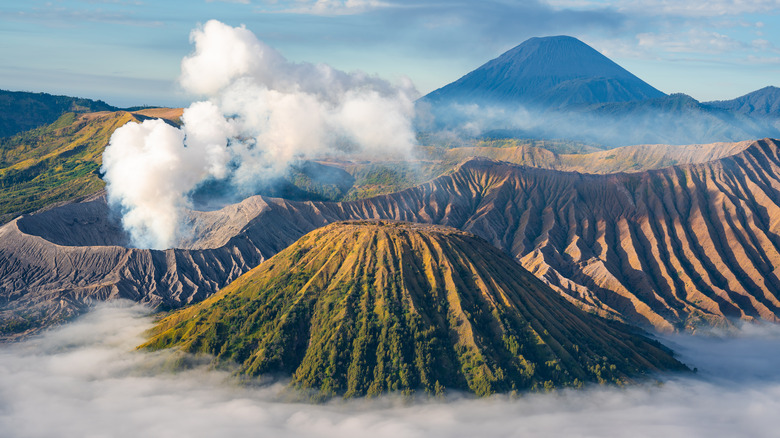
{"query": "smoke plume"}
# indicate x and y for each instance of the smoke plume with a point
(259, 113)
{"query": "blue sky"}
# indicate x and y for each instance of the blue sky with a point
(128, 52)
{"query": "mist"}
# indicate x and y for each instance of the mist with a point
(677, 120)
(86, 379)
(257, 113)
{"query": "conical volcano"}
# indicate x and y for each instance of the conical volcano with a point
(363, 308)
(547, 72)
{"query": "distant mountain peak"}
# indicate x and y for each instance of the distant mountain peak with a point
(552, 71)
(764, 102)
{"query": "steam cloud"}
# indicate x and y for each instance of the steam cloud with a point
(260, 113)
(85, 379)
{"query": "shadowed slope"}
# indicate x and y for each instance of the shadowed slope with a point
(21, 111)
(368, 307)
(760, 103)
(672, 248)
(549, 72)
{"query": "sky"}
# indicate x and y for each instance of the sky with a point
(129, 52)
(85, 379)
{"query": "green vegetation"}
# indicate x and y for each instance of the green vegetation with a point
(56, 163)
(21, 111)
(364, 308)
(556, 146)
(320, 182)
(508, 140)
(374, 179)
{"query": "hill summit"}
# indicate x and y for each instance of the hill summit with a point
(363, 308)
(548, 72)
(760, 103)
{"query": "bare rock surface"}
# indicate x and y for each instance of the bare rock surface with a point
(637, 158)
(672, 248)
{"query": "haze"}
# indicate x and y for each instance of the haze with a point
(84, 379)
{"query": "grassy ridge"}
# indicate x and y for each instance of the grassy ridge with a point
(21, 111)
(365, 308)
(59, 162)
(55, 163)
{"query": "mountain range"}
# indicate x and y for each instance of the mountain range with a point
(559, 87)
(760, 103)
(524, 264)
(675, 248)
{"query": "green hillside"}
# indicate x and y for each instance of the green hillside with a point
(364, 308)
(61, 161)
(21, 111)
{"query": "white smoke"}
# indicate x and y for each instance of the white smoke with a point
(260, 112)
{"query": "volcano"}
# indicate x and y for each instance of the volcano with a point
(367, 307)
(549, 72)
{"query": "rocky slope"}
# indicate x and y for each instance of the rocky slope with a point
(623, 159)
(56, 263)
(362, 308)
(671, 248)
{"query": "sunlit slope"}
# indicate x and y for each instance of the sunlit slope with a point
(59, 162)
(623, 159)
(674, 248)
(361, 308)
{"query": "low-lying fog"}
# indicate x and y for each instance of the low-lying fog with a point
(85, 379)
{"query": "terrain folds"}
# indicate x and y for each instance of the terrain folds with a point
(672, 248)
(368, 307)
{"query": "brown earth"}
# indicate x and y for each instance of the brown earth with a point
(623, 159)
(672, 248)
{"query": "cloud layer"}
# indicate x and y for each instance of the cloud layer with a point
(85, 379)
(260, 112)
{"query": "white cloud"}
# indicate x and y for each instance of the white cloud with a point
(261, 113)
(327, 7)
(686, 8)
(85, 379)
(693, 41)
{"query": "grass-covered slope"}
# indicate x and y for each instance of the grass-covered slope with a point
(59, 162)
(21, 111)
(362, 308)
